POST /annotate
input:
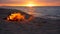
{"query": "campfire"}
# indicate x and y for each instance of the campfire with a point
(16, 16)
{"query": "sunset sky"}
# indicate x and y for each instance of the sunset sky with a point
(27, 2)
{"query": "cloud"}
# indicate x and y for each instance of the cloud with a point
(45, 2)
(12, 1)
(23, 1)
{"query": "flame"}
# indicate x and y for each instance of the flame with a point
(17, 16)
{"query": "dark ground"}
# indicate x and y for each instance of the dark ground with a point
(36, 26)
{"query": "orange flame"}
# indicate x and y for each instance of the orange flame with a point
(17, 16)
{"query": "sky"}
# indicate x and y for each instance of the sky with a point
(26, 2)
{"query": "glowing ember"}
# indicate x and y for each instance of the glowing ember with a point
(17, 17)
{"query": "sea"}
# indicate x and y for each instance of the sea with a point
(52, 12)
